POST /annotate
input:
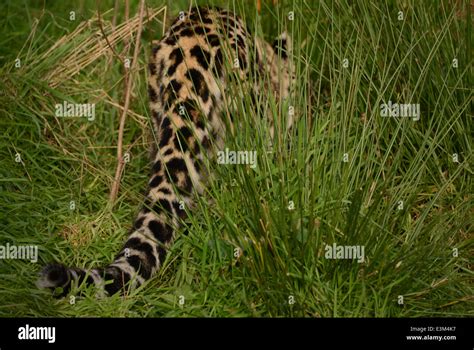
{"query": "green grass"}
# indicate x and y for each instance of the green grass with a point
(408, 248)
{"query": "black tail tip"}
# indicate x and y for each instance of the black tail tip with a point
(53, 276)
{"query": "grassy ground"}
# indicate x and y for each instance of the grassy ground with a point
(400, 188)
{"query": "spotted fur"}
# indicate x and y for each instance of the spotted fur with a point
(190, 70)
